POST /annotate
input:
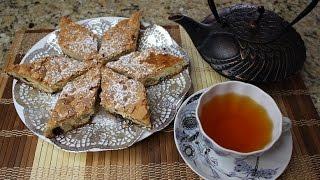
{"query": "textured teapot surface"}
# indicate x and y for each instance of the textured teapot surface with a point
(255, 51)
(245, 42)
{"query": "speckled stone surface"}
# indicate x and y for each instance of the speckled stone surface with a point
(17, 14)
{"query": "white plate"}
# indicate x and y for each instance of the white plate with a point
(202, 159)
(106, 132)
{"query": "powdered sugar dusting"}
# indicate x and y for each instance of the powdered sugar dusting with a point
(84, 45)
(120, 38)
(78, 40)
(77, 97)
(118, 90)
(113, 45)
(123, 94)
(62, 68)
(135, 64)
(83, 84)
(132, 63)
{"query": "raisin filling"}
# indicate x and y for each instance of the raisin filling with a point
(57, 131)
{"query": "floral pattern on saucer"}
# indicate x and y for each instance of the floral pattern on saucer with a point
(196, 151)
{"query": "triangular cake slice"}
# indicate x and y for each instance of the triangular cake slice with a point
(77, 41)
(124, 96)
(49, 74)
(149, 66)
(75, 105)
(120, 39)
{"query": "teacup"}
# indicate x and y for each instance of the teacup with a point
(280, 123)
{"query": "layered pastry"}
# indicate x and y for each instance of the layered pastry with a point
(149, 66)
(120, 39)
(77, 41)
(124, 96)
(75, 105)
(49, 74)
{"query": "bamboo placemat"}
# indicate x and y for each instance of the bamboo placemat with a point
(24, 156)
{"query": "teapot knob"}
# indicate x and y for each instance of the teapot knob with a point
(254, 23)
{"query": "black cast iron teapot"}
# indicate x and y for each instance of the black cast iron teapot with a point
(248, 43)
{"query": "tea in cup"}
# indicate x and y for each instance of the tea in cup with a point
(240, 119)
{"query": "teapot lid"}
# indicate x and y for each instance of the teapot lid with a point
(252, 23)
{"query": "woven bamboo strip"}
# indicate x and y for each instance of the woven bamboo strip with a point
(7, 144)
(152, 170)
(49, 157)
(36, 158)
(202, 74)
(15, 133)
(6, 101)
(15, 154)
(149, 171)
(10, 57)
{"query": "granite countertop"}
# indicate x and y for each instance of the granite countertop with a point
(17, 14)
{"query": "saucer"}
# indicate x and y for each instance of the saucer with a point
(202, 159)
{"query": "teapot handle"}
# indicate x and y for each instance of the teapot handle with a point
(306, 11)
(214, 11)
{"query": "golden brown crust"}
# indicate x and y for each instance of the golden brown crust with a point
(148, 66)
(77, 41)
(121, 39)
(75, 104)
(49, 74)
(123, 96)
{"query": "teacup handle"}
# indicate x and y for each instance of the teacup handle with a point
(286, 124)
